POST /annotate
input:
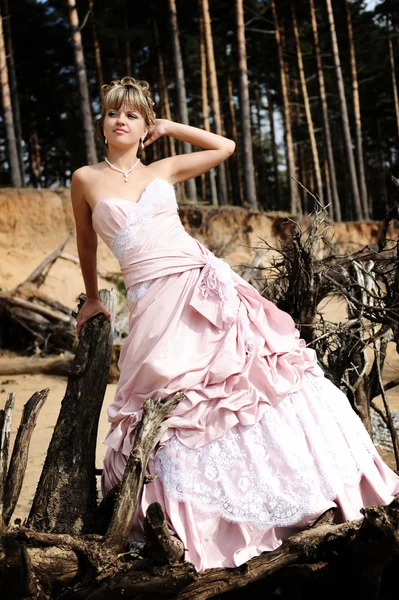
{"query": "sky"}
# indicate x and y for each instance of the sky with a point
(370, 4)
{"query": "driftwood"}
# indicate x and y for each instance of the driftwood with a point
(33, 318)
(36, 322)
(65, 500)
(19, 458)
(40, 273)
(31, 365)
(5, 432)
(147, 436)
(85, 570)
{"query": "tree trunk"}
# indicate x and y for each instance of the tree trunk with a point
(128, 61)
(380, 161)
(97, 51)
(12, 150)
(181, 91)
(249, 174)
(270, 110)
(394, 84)
(358, 213)
(205, 112)
(326, 123)
(328, 186)
(236, 158)
(13, 83)
(83, 87)
(291, 167)
(163, 90)
(34, 159)
(66, 498)
(358, 119)
(309, 120)
(222, 192)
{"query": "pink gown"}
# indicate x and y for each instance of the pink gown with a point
(262, 444)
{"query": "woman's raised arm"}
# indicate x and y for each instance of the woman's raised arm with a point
(215, 149)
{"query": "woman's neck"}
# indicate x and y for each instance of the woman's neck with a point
(123, 159)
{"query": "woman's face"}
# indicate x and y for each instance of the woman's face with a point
(124, 126)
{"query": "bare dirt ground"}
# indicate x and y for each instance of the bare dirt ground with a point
(32, 224)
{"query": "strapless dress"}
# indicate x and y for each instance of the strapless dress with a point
(263, 443)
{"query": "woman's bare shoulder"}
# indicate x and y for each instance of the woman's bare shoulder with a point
(85, 174)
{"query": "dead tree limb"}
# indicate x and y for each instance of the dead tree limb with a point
(108, 275)
(83, 569)
(149, 432)
(36, 308)
(5, 433)
(37, 275)
(30, 365)
(65, 499)
(389, 421)
(163, 547)
(19, 457)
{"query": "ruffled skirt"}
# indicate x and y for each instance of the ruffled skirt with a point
(254, 486)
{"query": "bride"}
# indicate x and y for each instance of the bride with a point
(262, 444)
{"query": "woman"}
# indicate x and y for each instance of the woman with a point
(263, 444)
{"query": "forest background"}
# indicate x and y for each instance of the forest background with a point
(307, 88)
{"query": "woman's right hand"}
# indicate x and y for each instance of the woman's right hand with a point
(90, 308)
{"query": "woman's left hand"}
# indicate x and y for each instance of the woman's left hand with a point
(156, 131)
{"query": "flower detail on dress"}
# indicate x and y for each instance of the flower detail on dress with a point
(140, 216)
(218, 281)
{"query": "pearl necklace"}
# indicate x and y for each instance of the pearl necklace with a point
(124, 173)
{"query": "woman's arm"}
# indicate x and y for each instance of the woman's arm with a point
(86, 239)
(215, 149)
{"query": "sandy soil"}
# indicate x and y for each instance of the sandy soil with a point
(32, 224)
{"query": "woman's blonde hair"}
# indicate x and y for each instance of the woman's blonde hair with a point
(129, 92)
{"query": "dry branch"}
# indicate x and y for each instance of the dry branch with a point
(149, 432)
(23, 366)
(19, 458)
(5, 433)
(37, 275)
(163, 548)
(35, 308)
(360, 548)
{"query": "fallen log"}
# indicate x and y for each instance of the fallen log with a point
(22, 365)
(82, 568)
(36, 325)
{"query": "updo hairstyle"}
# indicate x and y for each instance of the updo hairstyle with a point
(127, 91)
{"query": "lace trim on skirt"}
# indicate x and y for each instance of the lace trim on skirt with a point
(302, 452)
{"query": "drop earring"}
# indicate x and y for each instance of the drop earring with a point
(142, 142)
(105, 141)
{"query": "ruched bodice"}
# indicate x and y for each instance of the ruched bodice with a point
(126, 225)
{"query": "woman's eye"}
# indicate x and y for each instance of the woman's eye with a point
(133, 116)
(112, 113)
